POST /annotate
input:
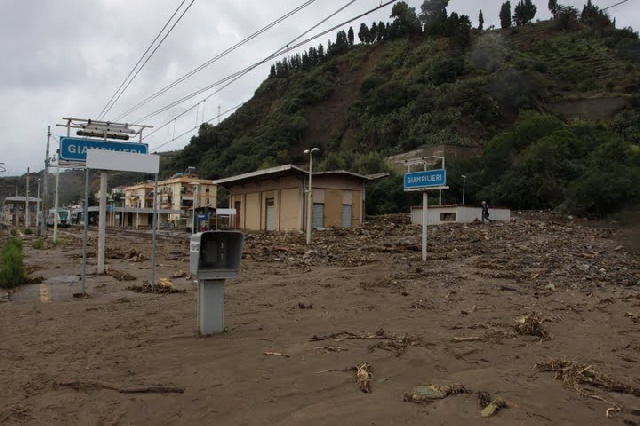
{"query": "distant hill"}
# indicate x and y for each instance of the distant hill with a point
(71, 182)
(406, 90)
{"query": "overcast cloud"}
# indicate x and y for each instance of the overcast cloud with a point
(66, 58)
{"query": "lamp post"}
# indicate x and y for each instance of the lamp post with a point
(464, 180)
(137, 211)
(309, 192)
(193, 206)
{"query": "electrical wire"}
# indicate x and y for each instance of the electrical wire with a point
(195, 127)
(238, 74)
(141, 58)
(614, 5)
(149, 57)
(214, 59)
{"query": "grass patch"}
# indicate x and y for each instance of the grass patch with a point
(12, 272)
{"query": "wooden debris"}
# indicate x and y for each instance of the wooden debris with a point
(575, 374)
(332, 348)
(614, 409)
(531, 324)
(634, 317)
(276, 354)
(465, 339)
(347, 335)
(96, 384)
(364, 376)
(120, 275)
(396, 345)
(163, 286)
(179, 274)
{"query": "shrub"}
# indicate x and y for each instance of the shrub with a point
(12, 271)
(27, 231)
(37, 244)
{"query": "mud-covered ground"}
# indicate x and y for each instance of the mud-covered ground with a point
(540, 316)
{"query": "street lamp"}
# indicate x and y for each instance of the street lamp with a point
(309, 192)
(135, 199)
(193, 206)
(464, 180)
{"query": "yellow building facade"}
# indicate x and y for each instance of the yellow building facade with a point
(275, 199)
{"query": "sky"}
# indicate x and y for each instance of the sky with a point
(68, 58)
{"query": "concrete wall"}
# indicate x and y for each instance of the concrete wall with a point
(437, 215)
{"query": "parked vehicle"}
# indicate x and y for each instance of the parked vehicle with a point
(63, 217)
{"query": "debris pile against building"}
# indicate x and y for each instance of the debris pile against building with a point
(564, 253)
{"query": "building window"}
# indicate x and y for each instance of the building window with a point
(447, 217)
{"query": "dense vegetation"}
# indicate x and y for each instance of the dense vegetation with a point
(428, 78)
(12, 272)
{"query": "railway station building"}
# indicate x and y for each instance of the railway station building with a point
(274, 199)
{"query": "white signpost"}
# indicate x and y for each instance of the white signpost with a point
(424, 181)
(125, 162)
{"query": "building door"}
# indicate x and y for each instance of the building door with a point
(271, 214)
(236, 206)
(317, 219)
(346, 215)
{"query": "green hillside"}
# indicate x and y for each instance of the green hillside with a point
(408, 86)
(552, 107)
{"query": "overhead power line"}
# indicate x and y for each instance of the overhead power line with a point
(614, 5)
(214, 59)
(195, 127)
(128, 80)
(238, 74)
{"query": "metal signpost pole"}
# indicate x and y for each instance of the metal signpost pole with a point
(153, 237)
(43, 224)
(55, 207)
(86, 229)
(102, 219)
(425, 203)
(26, 203)
(423, 181)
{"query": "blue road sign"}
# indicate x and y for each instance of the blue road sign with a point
(427, 179)
(75, 149)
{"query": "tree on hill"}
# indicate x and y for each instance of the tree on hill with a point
(434, 16)
(480, 21)
(363, 34)
(524, 12)
(592, 15)
(505, 15)
(459, 32)
(553, 7)
(350, 36)
(406, 21)
(566, 18)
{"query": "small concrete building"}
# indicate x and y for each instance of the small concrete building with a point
(437, 215)
(14, 211)
(274, 199)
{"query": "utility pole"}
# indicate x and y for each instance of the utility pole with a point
(43, 223)
(26, 203)
(38, 210)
